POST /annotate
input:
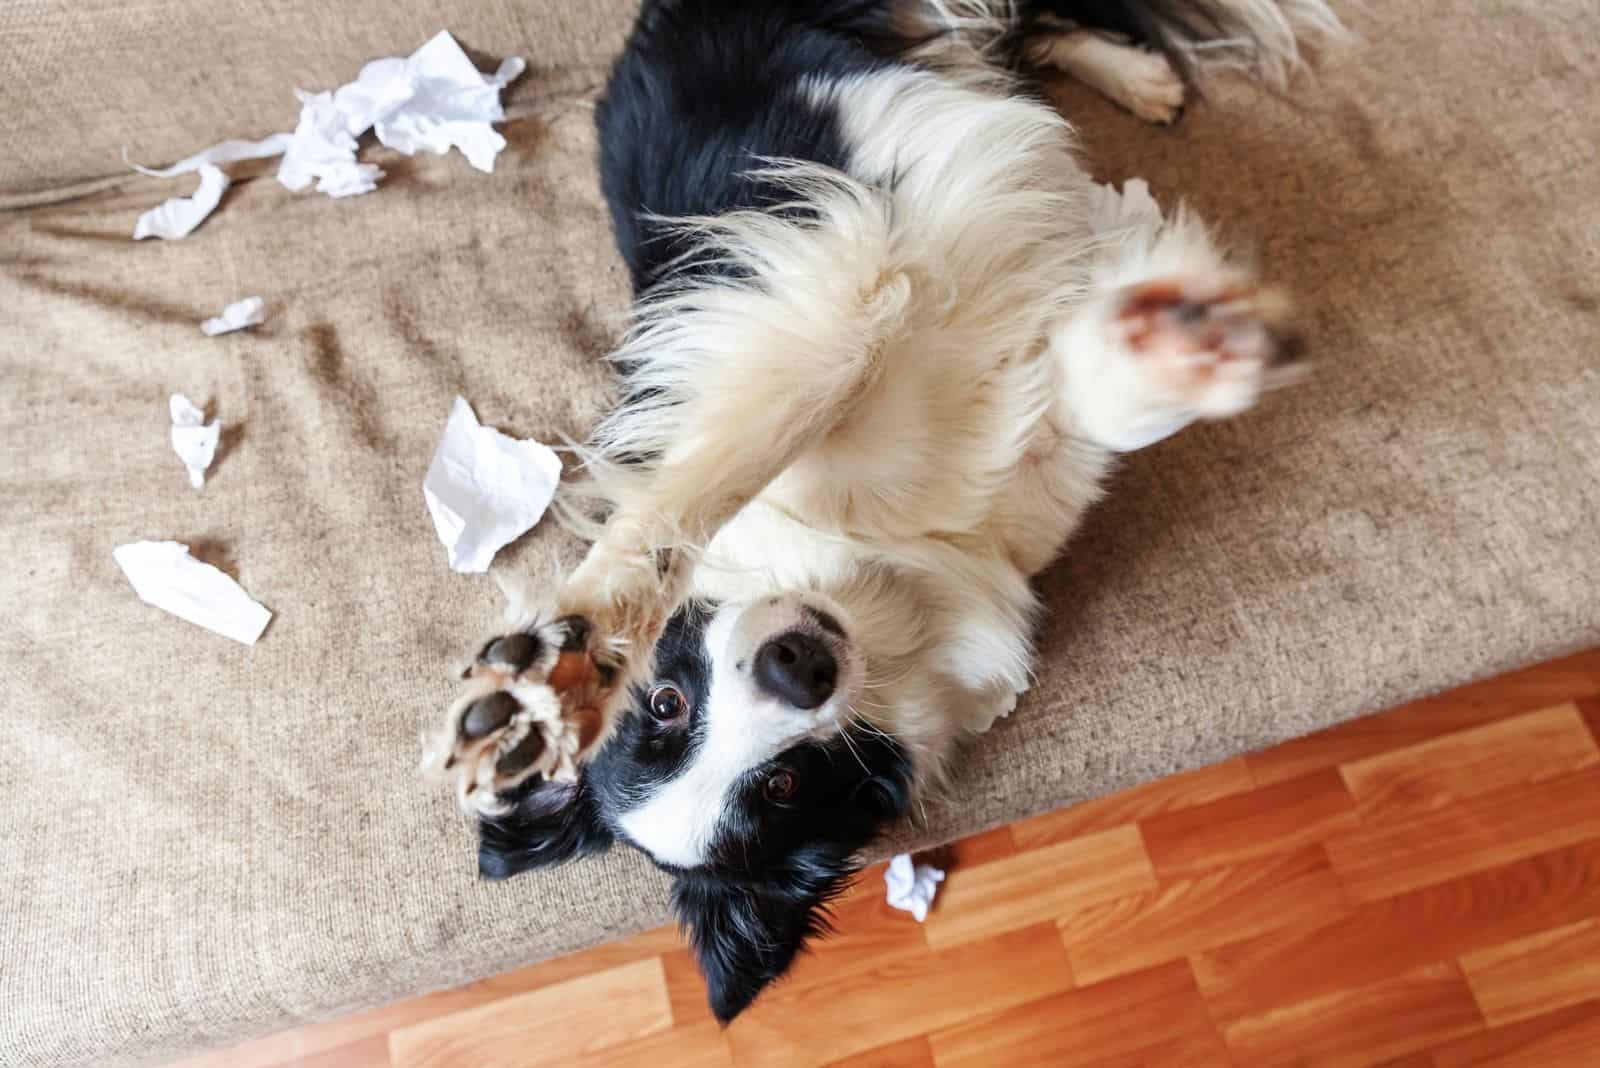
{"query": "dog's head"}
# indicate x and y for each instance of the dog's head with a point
(744, 769)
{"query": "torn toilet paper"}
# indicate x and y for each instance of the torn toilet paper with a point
(237, 316)
(178, 216)
(484, 489)
(323, 149)
(223, 152)
(911, 887)
(193, 439)
(434, 99)
(165, 575)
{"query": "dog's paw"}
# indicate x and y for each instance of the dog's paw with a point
(1138, 79)
(984, 711)
(535, 702)
(1211, 348)
(1146, 84)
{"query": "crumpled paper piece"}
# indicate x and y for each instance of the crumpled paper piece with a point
(485, 489)
(911, 887)
(433, 100)
(251, 311)
(193, 439)
(178, 216)
(163, 574)
(323, 150)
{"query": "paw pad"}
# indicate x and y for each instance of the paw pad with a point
(1211, 347)
(488, 714)
(530, 705)
(514, 652)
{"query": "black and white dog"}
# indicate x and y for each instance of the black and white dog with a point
(890, 338)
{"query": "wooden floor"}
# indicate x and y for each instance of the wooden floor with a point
(1418, 888)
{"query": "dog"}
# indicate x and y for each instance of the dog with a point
(889, 341)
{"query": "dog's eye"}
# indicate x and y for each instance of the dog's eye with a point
(781, 786)
(667, 704)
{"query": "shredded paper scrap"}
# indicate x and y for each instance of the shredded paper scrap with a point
(433, 100)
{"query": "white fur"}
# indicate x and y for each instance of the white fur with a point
(901, 401)
(894, 409)
(744, 728)
(1264, 36)
(1140, 80)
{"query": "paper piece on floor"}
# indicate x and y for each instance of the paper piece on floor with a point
(225, 152)
(193, 439)
(251, 311)
(434, 99)
(485, 489)
(323, 149)
(911, 887)
(179, 216)
(165, 575)
(1110, 210)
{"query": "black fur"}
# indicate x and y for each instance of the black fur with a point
(549, 824)
(706, 90)
(643, 753)
(775, 867)
(1158, 24)
(774, 863)
(746, 935)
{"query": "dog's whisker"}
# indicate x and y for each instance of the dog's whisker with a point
(844, 736)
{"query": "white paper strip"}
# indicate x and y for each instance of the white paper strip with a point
(484, 489)
(193, 439)
(179, 216)
(251, 311)
(224, 152)
(165, 575)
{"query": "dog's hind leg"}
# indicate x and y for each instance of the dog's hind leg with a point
(1144, 82)
(1104, 43)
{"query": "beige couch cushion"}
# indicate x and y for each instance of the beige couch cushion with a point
(205, 842)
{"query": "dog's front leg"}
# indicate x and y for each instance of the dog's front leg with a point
(1172, 332)
(735, 435)
(740, 409)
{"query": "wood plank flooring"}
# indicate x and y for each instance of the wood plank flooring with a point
(1419, 888)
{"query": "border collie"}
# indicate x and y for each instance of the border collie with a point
(889, 340)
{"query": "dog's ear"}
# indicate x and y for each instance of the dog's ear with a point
(746, 934)
(549, 824)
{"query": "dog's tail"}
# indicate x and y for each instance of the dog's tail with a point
(1263, 38)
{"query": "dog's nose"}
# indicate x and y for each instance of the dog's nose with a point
(798, 668)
